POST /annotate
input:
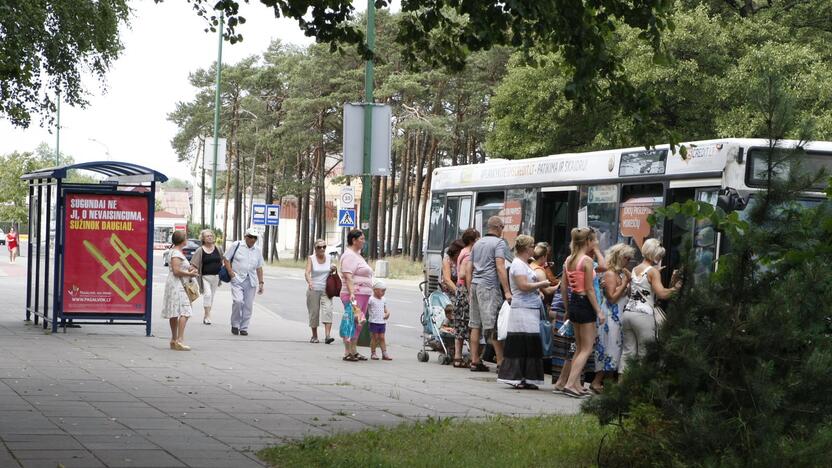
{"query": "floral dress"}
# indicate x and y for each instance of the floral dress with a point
(176, 303)
(609, 342)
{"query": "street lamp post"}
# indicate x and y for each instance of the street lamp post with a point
(216, 125)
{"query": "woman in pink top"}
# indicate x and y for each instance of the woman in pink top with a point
(463, 284)
(582, 306)
(356, 288)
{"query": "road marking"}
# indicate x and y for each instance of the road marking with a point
(402, 326)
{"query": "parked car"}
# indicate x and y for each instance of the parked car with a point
(191, 247)
(2, 237)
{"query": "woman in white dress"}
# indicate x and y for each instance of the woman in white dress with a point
(177, 306)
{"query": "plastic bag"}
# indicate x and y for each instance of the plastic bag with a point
(347, 328)
(502, 321)
(567, 330)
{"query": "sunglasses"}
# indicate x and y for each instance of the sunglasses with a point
(250, 237)
(320, 246)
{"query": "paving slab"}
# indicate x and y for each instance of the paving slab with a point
(109, 396)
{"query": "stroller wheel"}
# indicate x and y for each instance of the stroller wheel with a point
(441, 358)
(444, 359)
(422, 356)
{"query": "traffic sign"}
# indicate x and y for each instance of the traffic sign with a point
(258, 214)
(346, 218)
(272, 215)
(347, 198)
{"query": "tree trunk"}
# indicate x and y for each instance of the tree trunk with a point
(417, 194)
(391, 246)
(425, 196)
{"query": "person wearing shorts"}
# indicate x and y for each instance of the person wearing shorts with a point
(378, 315)
(489, 287)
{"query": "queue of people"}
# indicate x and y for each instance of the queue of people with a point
(600, 308)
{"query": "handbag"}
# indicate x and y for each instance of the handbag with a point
(224, 276)
(333, 285)
(547, 341)
(191, 289)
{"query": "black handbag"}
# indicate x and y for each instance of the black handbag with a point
(224, 276)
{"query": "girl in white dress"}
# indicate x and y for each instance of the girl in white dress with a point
(177, 307)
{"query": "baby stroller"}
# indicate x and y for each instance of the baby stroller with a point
(432, 318)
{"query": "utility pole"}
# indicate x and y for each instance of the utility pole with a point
(58, 134)
(366, 179)
(216, 123)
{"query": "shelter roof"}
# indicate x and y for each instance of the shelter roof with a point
(116, 171)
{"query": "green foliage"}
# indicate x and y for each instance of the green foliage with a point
(45, 46)
(499, 441)
(707, 88)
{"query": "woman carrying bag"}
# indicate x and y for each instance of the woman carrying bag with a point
(177, 303)
(207, 260)
(318, 303)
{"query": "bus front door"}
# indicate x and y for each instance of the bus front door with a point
(556, 216)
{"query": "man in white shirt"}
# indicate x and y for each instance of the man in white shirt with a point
(243, 260)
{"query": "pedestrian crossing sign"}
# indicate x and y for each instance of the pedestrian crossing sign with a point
(346, 218)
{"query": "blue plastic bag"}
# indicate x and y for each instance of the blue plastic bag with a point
(347, 328)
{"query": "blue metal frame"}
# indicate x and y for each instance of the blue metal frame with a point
(58, 303)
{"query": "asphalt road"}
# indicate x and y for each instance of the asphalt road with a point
(285, 295)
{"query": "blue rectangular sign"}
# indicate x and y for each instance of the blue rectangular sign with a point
(272, 215)
(346, 218)
(258, 214)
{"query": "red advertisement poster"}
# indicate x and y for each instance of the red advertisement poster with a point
(105, 254)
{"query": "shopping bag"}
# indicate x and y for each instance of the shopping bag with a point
(347, 328)
(502, 321)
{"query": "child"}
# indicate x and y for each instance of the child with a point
(377, 315)
(447, 324)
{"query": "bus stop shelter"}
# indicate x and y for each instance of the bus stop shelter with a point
(91, 245)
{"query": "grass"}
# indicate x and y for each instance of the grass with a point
(569, 441)
(400, 267)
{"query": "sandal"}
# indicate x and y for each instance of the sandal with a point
(459, 363)
(478, 367)
(350, 357)
(314, 340)
(359, 357)
(574, 394)
(385, 357)
(374, 357)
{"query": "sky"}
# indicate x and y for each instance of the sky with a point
(128, 119)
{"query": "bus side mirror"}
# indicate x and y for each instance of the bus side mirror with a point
(730, 200)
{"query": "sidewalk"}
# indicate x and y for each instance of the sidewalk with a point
(109, 396)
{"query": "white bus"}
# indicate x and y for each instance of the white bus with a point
(611, 191)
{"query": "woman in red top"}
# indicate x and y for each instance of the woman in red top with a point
(12, 240)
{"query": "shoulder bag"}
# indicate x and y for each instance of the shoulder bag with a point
(191, 289)
(224, 276)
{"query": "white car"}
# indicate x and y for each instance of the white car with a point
(2, 237)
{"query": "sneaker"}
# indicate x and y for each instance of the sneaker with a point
(235, 331)
(243, 333)
(329, 340)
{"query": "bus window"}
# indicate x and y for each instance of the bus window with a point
(601, 203)
(451, 220)
(436, 228)
(811, 162)
(464, 215)
(637, 203)
(488, 204)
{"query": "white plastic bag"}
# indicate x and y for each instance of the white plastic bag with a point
(502, 321)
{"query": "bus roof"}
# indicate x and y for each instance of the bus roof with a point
(706, 158)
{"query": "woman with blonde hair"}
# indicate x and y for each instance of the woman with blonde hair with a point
(615, 285)
(638, 322)
(207, 260)
(319, 306)
(522, 365)
(583, 305)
